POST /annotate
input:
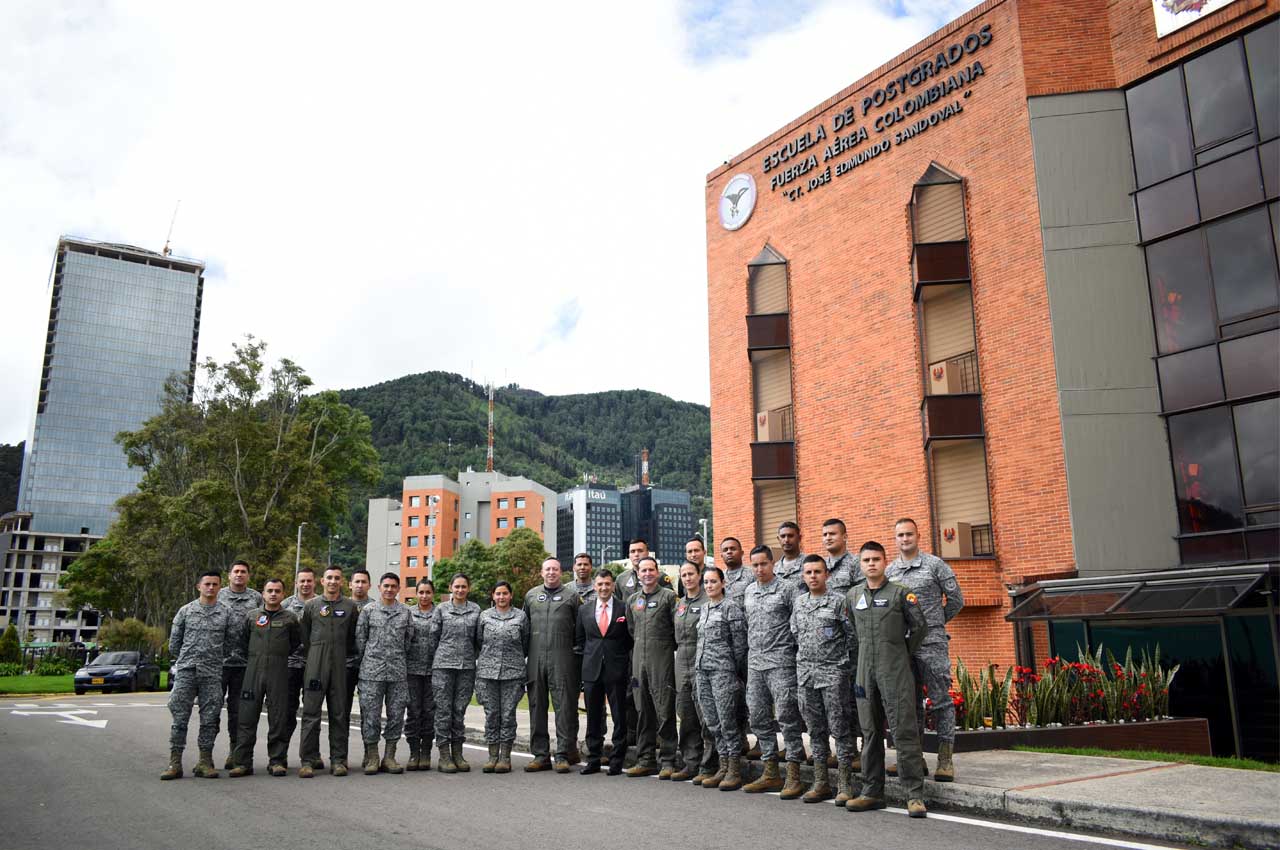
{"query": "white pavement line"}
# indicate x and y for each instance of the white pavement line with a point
(1049, 833)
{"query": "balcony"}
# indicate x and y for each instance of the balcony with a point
(951, 417)
(773, 460)
(954, 376)
(768, 330)
(777, 425)
(940, 262)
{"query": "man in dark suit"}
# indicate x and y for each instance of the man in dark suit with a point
(604, 642)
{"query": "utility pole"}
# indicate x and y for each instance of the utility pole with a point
(329, 559)
(297, 551)
(488, 458)
(432, 502)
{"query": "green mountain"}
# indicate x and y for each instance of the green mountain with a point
(436, 422)
(10, 474)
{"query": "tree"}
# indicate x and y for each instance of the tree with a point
(10, 646)
(474, 560)
(519, 558)
(131, 634)
(230, 474)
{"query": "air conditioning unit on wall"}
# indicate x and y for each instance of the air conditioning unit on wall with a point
(956, 540)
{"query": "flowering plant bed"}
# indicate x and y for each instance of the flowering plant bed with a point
(1173, 735)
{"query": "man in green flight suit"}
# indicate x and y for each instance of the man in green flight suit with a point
(270, 637)
(553, 671)
(888, 627)
(329, 636)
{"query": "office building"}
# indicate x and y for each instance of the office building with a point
(589, 519)
(1020, 284)
(660, 516)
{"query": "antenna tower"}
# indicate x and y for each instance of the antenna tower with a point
(488, 458)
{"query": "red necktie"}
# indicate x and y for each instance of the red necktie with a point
(604, 618)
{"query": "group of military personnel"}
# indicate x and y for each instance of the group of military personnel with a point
(835, 644)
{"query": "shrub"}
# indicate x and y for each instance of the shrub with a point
(130, 634)
(10, 648)
(10, 668)
(54, 667)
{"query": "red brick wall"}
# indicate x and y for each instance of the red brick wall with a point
(1066, 46)
(1138, 52)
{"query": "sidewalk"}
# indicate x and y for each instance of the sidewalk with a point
(1180, 803)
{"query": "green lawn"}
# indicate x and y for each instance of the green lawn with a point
(47, 684)
(1153, 755)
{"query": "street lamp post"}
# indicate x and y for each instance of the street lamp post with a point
(432, 501)
(297, 551)
(702, 521)
(603, 551)
(328, 564)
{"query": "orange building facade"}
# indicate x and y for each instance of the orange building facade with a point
(929, 297)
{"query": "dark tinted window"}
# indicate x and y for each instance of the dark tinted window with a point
(1230, 184)
(1270, 156)
(1251, 364)
(1218, 94)
(1179, 275)
(1258, 439)
(1204, 470)
(1168, 207)
(1191, 378)
(116, 658)
(1158, 125)
(1213, 549)
(1243, 262)
(1263, 47)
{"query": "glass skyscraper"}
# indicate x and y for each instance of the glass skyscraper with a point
(122, 321)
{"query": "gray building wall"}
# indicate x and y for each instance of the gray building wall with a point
(382, 542)
(1119, 481)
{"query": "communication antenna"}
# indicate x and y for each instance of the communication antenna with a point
(167, 250)
(488, 458)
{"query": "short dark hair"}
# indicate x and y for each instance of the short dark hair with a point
(872, 546)
(330, 569)
(273, 580)
(240, 563)
(789, 524)
(305, 569)
(809, 559)
(462, 576)
(835, 521)
(724, 540)
(715, 570)
(582, 555)
(907, 519)
(691, 564)
(426, 582)
(696, 539)
(358, 570)
(502, 583)
(605, 574)
(386, 576)
(210, 573)
(647, 558)
(636, 540)
(762, 550)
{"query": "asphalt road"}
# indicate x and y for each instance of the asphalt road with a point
(68, 781)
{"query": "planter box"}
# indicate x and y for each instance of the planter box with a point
(1179, 735)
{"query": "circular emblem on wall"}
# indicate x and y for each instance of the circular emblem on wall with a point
(737, 201)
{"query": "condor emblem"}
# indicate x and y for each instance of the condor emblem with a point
(737, 201)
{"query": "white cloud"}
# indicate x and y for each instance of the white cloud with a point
(407, 187)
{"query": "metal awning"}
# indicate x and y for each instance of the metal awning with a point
(1178, 593)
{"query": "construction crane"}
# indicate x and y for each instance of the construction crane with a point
(167, 250)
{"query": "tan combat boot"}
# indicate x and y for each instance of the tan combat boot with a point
(446, 764)
(240, 770)
(732, 780)
(916, 809)
(370, 763)
(666, 772)
(389, 763)
(770, 780)
(504, 759)
(642, 770)
(946, 768)
(278, 769)
(204, 767)
(458, 761)
(863, 803)
(539, 763)
(844, 785)
(714, 780)
(821, 789)
(682, 775)
(174, 770)
(793, 787)
(492, 764)
(306, 771)
(856, 764)
(338, 767)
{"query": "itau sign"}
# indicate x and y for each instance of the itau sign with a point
(1172, 15)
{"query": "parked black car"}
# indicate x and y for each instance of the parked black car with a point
(120, 671)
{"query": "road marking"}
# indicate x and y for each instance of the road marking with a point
(1051, 833)
(71, 717)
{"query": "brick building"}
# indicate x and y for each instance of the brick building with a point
(1020, 284)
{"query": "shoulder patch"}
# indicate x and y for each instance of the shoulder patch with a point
(911, 597)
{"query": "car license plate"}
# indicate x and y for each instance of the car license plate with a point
(97, 681)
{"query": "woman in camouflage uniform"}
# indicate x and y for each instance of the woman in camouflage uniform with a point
(720, 663)
(455, 643)
(500, 673)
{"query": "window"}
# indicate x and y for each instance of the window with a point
(771, 385)
(1264, 73)
(503, 504)
(1229, 184)
(502, 522)
(412, 542)
(1219, 95)
(1167, 207)
(959, 472)
(455, 523)
(519, 522)
(467, 515)
(1159, 127)
(431, 520)
(951, 363)
(767, 283)
(775, 504)
(1205, 473)
(466, 535)
(1243, 262)
(414, 520)
(411, 581)
(412, 563)
(415, 501)
(519, 501)
(1258, 440)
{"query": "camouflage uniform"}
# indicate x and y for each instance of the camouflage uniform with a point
(384, 636)
(329, 637)
(199, 641)
(697, 746)
(455, 643)
(771, 669)
(554, 672)
(931, 579)
(888, 627)
(824, 669)
(269, 642)
(586, 592)
(789, 570)
(500, 671)
(353, 660)
(295, 605)
(842, 574)
(420, 728)
(651, 621)
(721, 664)
(241, 604)
(736, 583)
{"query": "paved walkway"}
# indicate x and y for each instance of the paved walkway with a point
(1163, 801)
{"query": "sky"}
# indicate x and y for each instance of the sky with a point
(510, 191)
